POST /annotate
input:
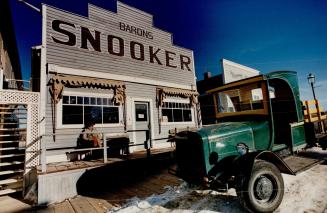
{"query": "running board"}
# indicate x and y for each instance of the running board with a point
(299, 164)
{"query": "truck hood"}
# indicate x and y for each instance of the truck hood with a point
(247, 132)
(226, 129)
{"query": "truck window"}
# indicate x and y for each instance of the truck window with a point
(246, 98)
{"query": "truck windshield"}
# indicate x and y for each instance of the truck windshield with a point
(245, 98)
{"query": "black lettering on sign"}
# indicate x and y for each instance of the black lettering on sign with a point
(71, 36)
(116, 45)
(153, 55)
(169, 58)
(111, 39)
(86, 35)
(185, 61)
(122, 26)
(141, 52)
(135, 30)
(149, 35)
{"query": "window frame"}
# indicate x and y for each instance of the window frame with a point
(60, 125)
(184, 101)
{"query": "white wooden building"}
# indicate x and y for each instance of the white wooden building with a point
(114, 68)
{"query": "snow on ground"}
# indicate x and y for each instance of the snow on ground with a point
(306, 192)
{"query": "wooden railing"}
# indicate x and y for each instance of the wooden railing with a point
(147, 144)
(313, 111)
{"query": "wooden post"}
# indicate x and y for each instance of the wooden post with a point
(321, 126)
(308, 110)
(147, 143)
(43, 156)
(105, 155)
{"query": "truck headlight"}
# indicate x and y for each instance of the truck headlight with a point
(242, 149)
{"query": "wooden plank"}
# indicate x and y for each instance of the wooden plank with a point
(49, 209)
(99, 205)
(64, 207)
(82, 205)
(311, 102)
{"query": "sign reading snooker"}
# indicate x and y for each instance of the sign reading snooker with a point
(115, 45)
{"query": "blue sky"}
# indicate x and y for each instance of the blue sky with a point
(267, 35)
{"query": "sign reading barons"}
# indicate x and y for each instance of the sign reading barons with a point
(136, 49)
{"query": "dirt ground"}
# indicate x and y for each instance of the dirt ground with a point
(305, 192)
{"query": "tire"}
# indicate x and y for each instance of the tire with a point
(263, 190)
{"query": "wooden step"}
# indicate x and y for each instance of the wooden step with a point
(15, 113)
(11, 163)
(9, 191)
(11, 155)
(3, 142)
(8, 135)
(10, 181)
(11, 172)
(13, 129)
(11, 148)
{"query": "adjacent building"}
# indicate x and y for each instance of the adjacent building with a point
(231, 72)
(10, 70)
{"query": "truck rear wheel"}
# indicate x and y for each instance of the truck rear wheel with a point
(263, 190)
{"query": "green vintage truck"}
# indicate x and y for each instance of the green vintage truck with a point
(259, 127)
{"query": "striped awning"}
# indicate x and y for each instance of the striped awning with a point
(162, 93)
(58, 82)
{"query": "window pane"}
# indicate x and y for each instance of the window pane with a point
(72, 114)
(187, 115)
(110, 115)
(92, 113)
(178, 115)
(167, 115)
(141, 112)
(110, 102)
(86, 100)
(65, 100)
(99, 101)
(72, 100)
(93, 101)
(79, 100)
(105, 101)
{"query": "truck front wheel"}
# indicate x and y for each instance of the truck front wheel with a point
(263, 190)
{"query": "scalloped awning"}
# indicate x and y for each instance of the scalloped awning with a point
(175, 92)
(58, 82)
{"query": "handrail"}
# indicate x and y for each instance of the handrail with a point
(147, 145)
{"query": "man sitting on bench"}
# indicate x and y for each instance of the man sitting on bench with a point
(89, 137)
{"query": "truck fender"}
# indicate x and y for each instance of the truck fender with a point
(244, 164)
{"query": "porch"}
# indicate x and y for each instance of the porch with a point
(93, 163)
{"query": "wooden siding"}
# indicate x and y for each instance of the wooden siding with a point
(107, 23)
(67, 137)
(149, 92)
(75, 57)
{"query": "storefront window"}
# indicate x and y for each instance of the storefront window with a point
(176, 112)
(80, 110)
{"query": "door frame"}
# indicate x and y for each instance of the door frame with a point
(150, 114)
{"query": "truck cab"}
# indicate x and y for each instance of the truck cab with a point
(258, 126)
